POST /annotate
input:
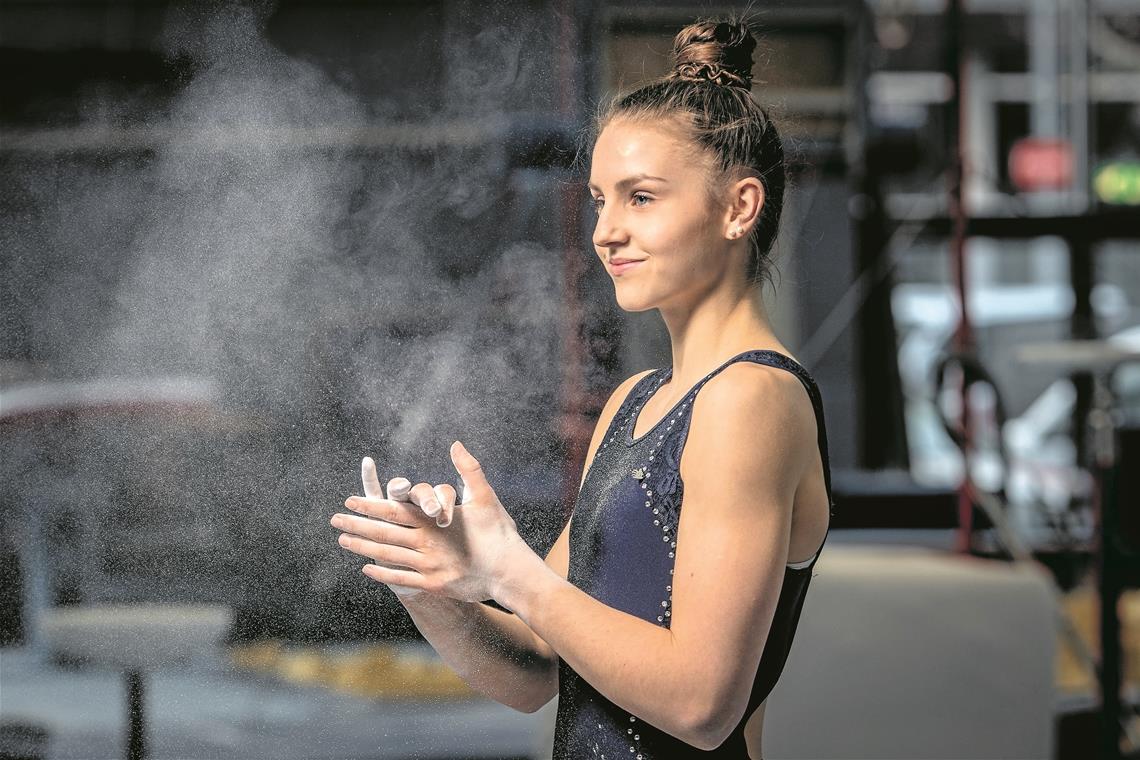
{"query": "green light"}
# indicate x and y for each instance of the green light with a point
(1118, 183)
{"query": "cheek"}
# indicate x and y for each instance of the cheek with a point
(675, 237)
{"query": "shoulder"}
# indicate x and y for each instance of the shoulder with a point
(760, 393)
(754, 416)
(626, 385)
(622, 391)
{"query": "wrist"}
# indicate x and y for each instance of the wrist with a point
(427, 602)
(518, 566)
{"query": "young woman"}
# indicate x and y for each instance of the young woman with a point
(664, 612)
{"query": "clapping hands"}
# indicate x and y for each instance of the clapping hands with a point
(422, 541)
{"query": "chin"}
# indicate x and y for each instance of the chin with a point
(633, 303)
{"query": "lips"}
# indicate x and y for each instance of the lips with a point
(617, 265)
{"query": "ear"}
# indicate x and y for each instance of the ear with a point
(746, 201)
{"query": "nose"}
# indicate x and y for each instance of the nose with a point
(609, 231)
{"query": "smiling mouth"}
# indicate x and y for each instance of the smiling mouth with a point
(619, 266)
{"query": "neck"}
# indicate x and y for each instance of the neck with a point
(724, 323)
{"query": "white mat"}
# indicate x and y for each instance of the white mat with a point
(905, 652)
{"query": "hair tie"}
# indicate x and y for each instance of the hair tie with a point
(713, 73)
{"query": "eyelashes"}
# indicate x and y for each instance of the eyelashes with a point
(597, 203)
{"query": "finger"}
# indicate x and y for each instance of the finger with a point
(386, 553)
(403, 582)
(475, 483)
(424, 495)
(380, 531)
(445, 495)
(368, 476)
(399, 512)
(398, 489)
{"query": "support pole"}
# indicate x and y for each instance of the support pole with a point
(136, 732)
(963, 340)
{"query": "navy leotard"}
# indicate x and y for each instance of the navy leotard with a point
(622, 549)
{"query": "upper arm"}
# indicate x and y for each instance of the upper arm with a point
(750, 440)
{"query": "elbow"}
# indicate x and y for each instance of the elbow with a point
(706, 736)
(536, 705)
(547, 689)
(712, 723)
(529, 703)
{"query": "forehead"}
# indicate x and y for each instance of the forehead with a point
(626, 148)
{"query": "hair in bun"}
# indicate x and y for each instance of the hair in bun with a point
(708, 95)
(720, 52)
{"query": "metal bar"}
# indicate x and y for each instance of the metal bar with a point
(1109, 563)
(933, 87)
(1094, 226)
(1041, 34)
(575, 428)
(426, 136)
(1079, 88)
(963, 337)
(136, 731)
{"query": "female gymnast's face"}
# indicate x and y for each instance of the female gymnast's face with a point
(649, 189)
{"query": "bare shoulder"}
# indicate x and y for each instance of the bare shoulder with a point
(755, 414)
(626, 386)
(619, 394)
(762, 394)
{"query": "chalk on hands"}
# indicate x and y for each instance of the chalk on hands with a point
(371, 481)
(398, 489)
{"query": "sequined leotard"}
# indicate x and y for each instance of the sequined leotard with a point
(622, 549)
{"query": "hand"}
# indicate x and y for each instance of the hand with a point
(437, 502)
(465, 561)
(399, 489)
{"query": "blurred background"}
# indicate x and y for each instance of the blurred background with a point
(243, 245)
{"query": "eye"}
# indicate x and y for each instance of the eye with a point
(596, 204)
(640, 197)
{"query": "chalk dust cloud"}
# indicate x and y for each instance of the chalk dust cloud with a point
(338, 271)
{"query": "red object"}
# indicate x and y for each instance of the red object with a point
(1037, 163)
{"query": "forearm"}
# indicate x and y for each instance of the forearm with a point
(633, 663)
(494, 652)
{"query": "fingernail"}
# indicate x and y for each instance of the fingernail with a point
(433, 508)
(336, 520)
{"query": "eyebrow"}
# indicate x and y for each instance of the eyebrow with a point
(632, 181)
